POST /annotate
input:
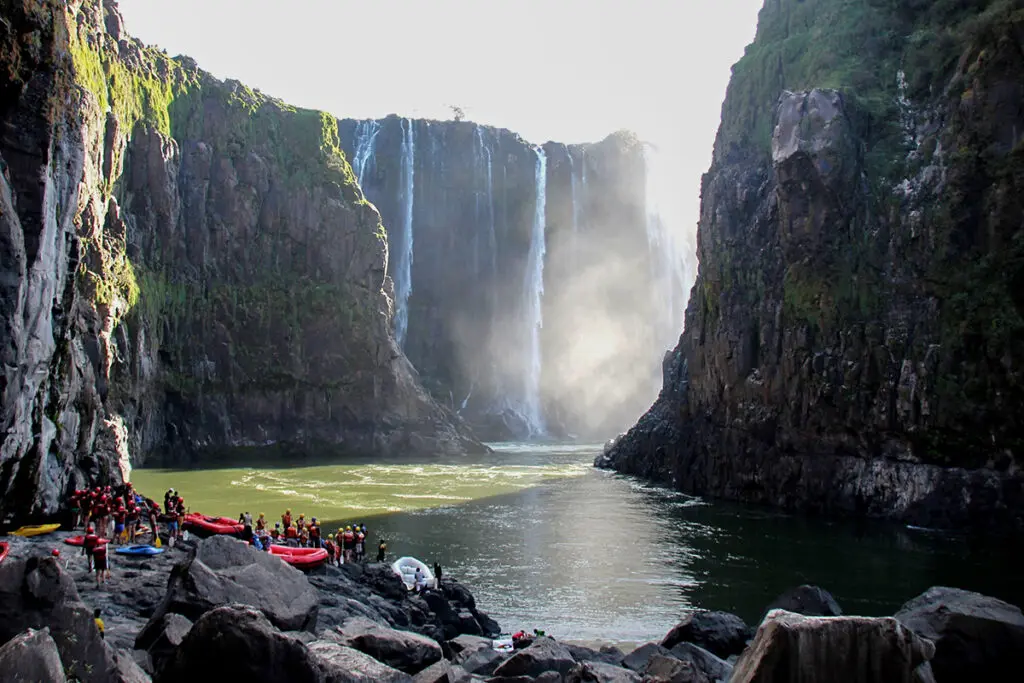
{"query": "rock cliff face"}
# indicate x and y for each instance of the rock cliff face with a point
(853, 341)
(187, 264)
(528, 295)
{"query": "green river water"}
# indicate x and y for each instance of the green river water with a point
(546, 541)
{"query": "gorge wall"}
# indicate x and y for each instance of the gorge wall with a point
(187, 265)
(854, 340)
(532, 289)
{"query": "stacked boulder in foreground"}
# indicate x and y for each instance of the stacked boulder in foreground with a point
(232, 613)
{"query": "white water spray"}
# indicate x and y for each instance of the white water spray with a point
(534, 293)
(403, 271)
(366, 142)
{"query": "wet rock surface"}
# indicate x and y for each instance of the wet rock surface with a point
(721, 633)
(811, 601)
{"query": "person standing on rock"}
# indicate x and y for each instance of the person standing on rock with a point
(89, 544)
(99, 560)
(437, 573)
(286, 519)
(382, 550)
(154, 513)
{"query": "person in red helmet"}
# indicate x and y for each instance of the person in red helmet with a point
(90, 543)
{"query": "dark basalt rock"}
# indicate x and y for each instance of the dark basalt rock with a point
(791, 648)
(36, 593)
(975, 636)
(662, 669)
(31, 656)
(225, 570)
(715, 668)
(340, 664)
(601, 672)
(638, 658)
(720, 633)
(402, 650)
(544, 655)
(161, 637)
(236, 642)
(810, 601)
(853, 339)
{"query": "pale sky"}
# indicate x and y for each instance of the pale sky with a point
(565, 70)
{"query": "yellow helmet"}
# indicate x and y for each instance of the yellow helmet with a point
(288, 511)
(261, 514)
(302, 514)
(348, 528)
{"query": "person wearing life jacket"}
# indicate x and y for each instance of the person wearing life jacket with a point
(382, 550)
(99, 562)
(76, 510)
(261, 523)
(291, 537)
(300, 523)
(360, 547)
(314, 534)
(348, 543)
(154, 514)
(329, 547)
(286, 518)
(119, 516)
(99, 622)
(275, 533)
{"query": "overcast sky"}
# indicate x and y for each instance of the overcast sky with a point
(566, 70)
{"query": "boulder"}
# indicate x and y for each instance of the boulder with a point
(381, 578)
(161, 637)
(793, 648)
(128, 670)
(976, 637)
(545, 654)
(238, 643)
(600, 672)
(443, 672)
(715, 668)
(36, 593)
(464, 642)
(810, 601)
(225, 571)
(482, 661)
(340, 664)
(638, 658)
(31, 656)
(662, 669)
(402, 650)
(606, 655)
(721, 633)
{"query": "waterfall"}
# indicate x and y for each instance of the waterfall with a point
(534, 293)
(484, 154)
(670, 266)
(366, 142)
(403, 271)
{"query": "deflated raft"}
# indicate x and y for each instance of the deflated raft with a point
(300, 558)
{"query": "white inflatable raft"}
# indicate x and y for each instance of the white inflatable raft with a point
(406, 567)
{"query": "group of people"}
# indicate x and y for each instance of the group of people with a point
(347, 545)
(115, 513)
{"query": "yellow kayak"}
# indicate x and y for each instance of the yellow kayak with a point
(36, 530)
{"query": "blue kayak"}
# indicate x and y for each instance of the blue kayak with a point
(139, 550)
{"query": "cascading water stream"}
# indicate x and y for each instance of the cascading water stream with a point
(366, 142)
(534, 294)
(403, 271)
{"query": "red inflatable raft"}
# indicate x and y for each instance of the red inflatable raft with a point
(4, 548)
(202, 525)
(80, 541)
(301, 558)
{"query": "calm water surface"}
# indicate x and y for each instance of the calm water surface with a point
(546, 541)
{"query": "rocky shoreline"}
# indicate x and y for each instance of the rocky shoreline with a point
(218, 609)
